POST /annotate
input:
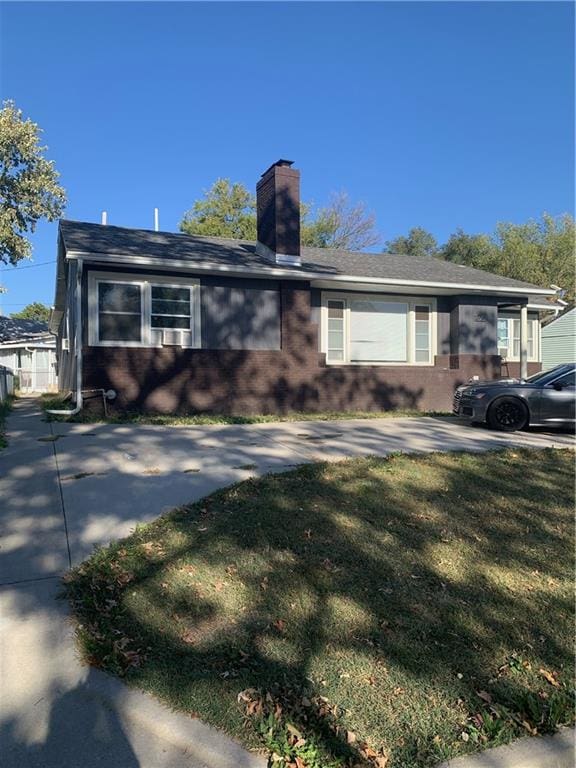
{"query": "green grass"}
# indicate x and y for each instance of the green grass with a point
(5, 408)
(94, 416)
(392, 612)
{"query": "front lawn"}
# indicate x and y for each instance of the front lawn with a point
(388, 612)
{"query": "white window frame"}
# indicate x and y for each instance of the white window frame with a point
(411, 301)
(160, 314)
(145, 283)
(511, 357)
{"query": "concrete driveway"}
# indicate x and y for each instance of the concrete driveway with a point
(65, 488)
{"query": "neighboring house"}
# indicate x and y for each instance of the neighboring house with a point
(174, 322)
(559, 340)
(29, 350)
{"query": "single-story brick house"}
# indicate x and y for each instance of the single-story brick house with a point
(178, 323)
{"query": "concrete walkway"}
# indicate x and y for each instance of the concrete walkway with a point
(555, 751)
(55, 712)
(65, 488)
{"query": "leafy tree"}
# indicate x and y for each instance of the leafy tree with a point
(34, 311)
(478, 251)
(29, 189)
(229, 210)
(419, 242)
(341, 224)
(540, 252)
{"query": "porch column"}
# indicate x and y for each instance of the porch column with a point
(523, 341)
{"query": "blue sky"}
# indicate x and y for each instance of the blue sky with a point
(440, 115)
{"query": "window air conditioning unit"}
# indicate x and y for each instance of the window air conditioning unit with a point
(172, 337)
(65, 345)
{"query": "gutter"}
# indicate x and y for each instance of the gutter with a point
(78, 347)
(213, 268)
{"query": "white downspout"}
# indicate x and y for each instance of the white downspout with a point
(78, 347)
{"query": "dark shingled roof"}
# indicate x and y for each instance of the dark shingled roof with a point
(12, 330)
(220, 252)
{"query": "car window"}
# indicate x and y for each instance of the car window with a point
(544, 376)
(567, 381)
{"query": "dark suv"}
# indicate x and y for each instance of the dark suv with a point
(546, 399)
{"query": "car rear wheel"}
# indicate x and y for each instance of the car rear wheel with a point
(507, 414)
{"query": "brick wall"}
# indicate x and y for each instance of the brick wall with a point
(170, 380)
(512, 370)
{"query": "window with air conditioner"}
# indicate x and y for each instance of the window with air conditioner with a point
(171, 318)
(126, 311)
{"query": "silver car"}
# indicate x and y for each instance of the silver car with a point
(546, 399)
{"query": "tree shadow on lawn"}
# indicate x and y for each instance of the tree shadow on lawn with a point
(373, 600)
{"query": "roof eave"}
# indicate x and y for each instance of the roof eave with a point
(45, 340)
(295, 273)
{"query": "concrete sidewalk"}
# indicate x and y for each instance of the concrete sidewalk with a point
(65, 488)
(555, 751)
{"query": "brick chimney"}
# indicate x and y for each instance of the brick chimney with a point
(278, 213)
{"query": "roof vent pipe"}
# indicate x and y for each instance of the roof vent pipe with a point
(104, 217)
(156, 220)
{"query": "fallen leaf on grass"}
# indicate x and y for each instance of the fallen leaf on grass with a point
(379, 759)
(246, 694)
(550, 677)
(293, 730)
(123, 577)
(485, 696)
(532, 731)
(280, 625)
(368, 751)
